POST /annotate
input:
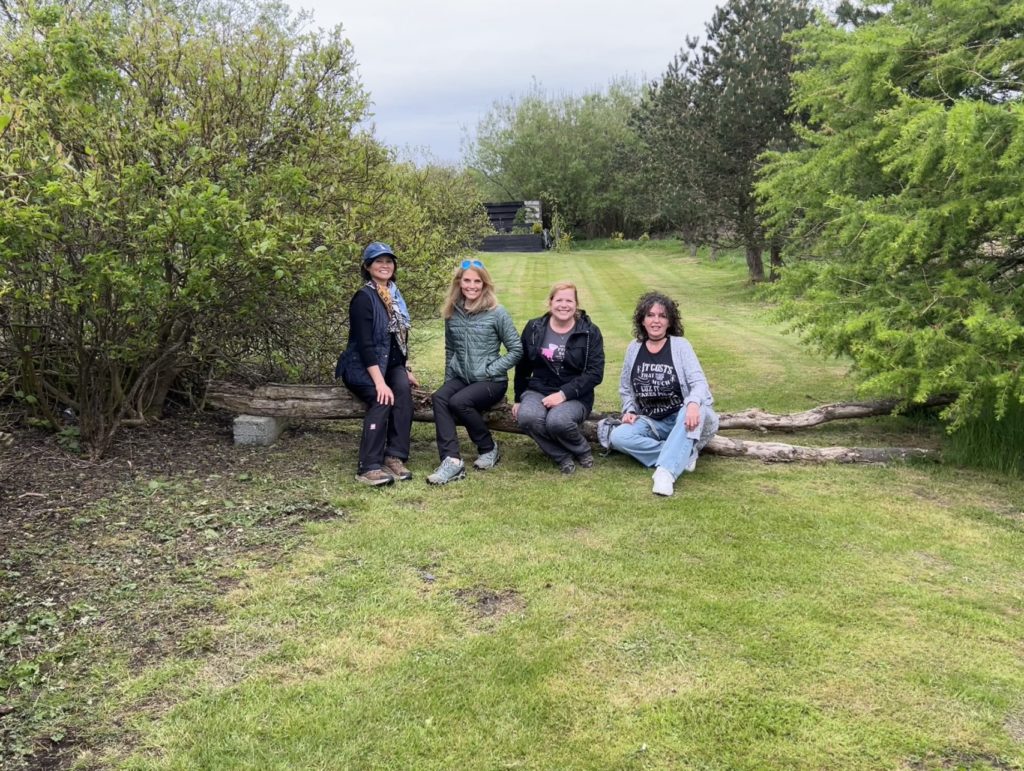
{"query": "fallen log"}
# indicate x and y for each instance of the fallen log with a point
(326, 401)
(778, 452)
(755, 419)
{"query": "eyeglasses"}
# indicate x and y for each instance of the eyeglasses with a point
(467, 264)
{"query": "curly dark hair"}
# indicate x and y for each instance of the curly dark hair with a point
(648, 301)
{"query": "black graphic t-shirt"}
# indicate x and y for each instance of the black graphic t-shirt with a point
(656, 383)
(553, 347)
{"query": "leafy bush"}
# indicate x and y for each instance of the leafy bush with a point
(185, 189)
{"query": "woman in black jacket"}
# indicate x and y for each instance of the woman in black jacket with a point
(374, 367)
(562, 364)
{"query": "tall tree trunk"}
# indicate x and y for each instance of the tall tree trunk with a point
(776, 251)
(755, 265)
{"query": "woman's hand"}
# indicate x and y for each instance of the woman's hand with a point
(412, 378)
(553, 400)
(629, 418)
(692, 416)
(515, 411)
(384, 394)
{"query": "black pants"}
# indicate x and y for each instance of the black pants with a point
(464, 403)
(387, 428)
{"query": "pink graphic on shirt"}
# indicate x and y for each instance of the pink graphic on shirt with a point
(549, 352)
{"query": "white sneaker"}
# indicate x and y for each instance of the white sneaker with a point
(664, 482)
(693, 462)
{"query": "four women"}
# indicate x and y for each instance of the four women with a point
(666, 403)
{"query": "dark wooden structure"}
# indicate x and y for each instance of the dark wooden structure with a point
(513, 243)
(503, 218)
(503, 214)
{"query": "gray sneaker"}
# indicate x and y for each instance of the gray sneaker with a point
(450, 470)
(488, 459)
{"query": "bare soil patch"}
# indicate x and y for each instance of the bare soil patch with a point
(488, 604)
(125, 558)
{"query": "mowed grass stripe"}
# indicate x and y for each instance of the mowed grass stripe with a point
(763, 617)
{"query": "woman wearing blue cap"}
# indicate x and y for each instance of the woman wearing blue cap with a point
(373, 366)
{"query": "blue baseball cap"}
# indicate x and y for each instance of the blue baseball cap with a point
(377, 249)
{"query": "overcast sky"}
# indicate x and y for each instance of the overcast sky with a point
(433, 69)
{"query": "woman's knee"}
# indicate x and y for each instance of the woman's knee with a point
(529, 420)
(460, 405)
(562, 423)
(621, 435)
(439, 398)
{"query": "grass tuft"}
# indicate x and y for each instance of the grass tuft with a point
(989, 442)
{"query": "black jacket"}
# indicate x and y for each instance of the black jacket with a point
(579, 374)
(369, 341)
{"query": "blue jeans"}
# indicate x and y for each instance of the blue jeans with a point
(656, 442)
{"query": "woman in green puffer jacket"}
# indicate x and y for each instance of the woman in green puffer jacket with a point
(475, 374)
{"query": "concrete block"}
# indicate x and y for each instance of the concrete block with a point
(258, 429)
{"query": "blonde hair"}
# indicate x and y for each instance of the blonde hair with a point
(564, 285)
(485, 302)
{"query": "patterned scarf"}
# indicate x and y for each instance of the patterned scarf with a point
(398, 313)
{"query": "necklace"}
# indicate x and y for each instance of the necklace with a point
(654, 346)
(562, 336)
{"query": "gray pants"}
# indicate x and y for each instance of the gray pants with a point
(556, 431)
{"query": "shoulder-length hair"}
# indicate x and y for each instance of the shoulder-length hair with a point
(644, 305)
(485, 302)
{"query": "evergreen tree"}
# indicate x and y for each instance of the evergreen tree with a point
(719, 106)
(905, 206)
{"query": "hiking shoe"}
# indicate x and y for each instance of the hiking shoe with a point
(692, 464)
(397, 468)
(487, 459)
(566, 466)
(450, 470)
(375, 477)
(664, 482)
(586, 460)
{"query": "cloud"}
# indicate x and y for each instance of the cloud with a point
(434, 69)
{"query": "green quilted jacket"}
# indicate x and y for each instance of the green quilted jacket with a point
(472, 345)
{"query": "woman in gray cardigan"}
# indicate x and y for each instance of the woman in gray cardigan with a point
(666, 403)
(475, 375)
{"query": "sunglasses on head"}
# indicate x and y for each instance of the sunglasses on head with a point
(467, 264)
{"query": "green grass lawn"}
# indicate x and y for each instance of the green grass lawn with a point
(764, 617)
